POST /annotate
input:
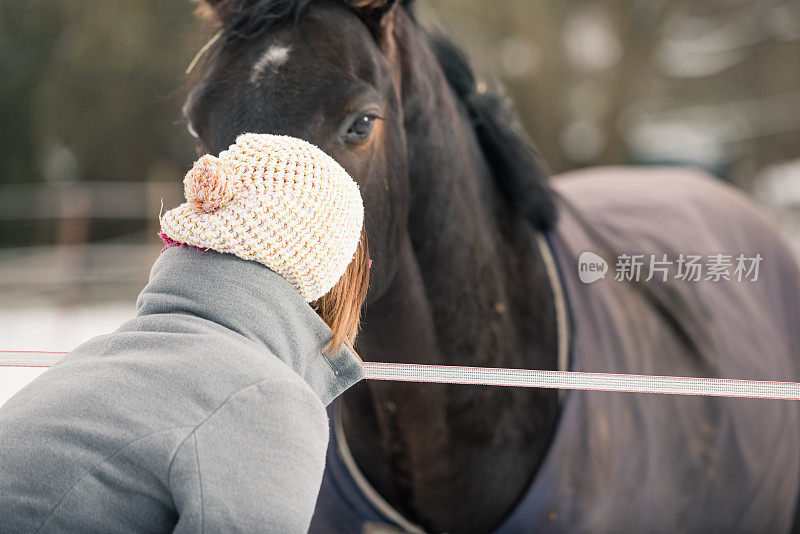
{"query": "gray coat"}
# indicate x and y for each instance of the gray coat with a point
(204, 413)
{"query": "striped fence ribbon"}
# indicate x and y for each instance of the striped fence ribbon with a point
(531, 378)
(29, 358)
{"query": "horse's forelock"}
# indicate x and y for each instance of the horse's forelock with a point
(249, 18)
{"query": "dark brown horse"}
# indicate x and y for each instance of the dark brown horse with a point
(454, 200)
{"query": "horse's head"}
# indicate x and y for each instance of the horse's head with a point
(401, 112)
(318, 71)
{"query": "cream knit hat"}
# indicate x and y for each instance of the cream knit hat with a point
(277, 200)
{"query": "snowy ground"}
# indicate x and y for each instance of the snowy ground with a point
(52, 329)
(54, 299)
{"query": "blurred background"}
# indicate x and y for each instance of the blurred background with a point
(92, 142)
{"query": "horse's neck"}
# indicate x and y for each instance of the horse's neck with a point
(471, 289)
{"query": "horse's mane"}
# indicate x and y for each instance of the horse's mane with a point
(507, 147)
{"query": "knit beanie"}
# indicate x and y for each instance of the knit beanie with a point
(277, 200)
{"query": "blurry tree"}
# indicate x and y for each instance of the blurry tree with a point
(26, 44)
(102, 80)
(714, 83)
(92, 91)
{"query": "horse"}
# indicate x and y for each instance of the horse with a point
(475, 252)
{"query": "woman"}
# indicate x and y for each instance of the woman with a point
(206, 412)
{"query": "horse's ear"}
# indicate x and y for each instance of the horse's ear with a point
(215, 11)
(376, 14)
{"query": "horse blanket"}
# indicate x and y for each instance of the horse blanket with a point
(624, 462)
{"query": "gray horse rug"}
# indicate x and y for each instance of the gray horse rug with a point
(701, 304)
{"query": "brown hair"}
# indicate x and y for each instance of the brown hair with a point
(340, 307)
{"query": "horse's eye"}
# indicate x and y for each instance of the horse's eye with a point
(361, 128)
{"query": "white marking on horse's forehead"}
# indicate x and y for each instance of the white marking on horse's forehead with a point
(272, 58)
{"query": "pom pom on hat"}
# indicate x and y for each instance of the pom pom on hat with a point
(277, 200)
(210, 184)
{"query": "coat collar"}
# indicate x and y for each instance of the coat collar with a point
(252, 300)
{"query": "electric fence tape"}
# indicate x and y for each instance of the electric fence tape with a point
(487, 376)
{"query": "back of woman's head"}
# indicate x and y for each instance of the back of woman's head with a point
(282, 202)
